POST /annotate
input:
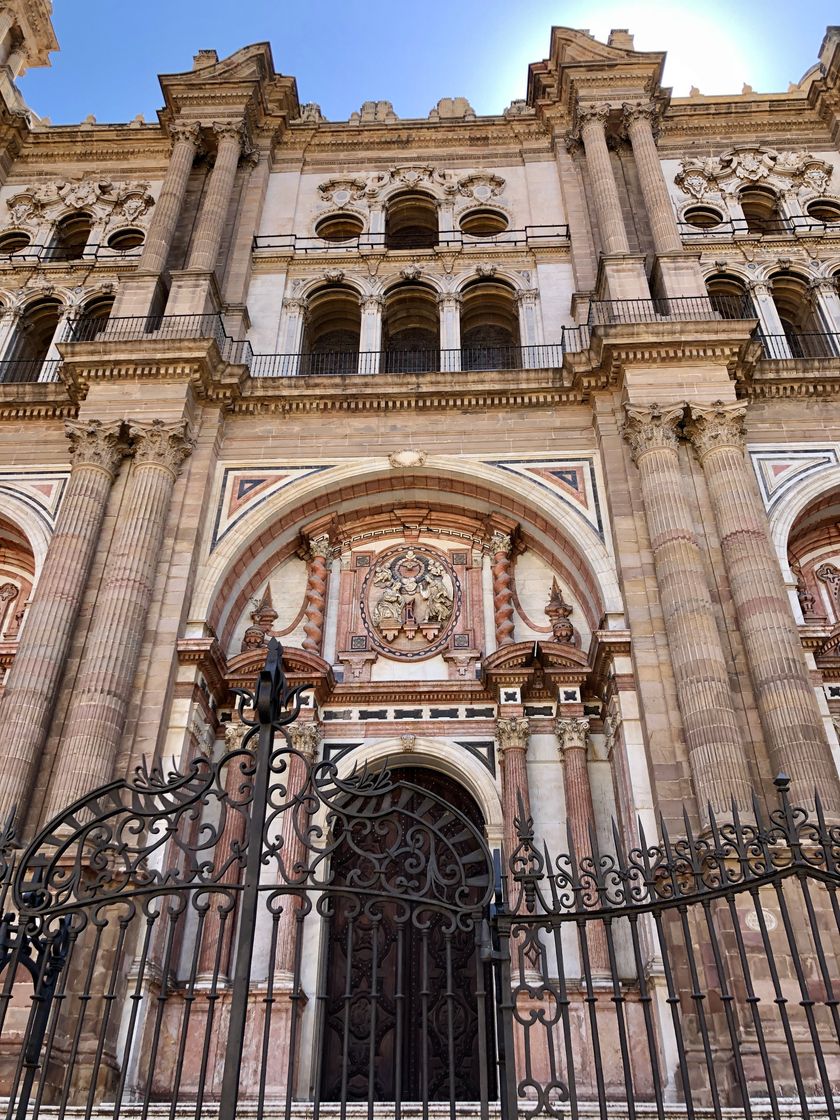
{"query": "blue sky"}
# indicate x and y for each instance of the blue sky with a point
(343, 53)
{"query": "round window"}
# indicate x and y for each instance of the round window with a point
(823, 210)
(125, 239)
(483, 223)
(14, 242)
(339, 227)
(703, 217)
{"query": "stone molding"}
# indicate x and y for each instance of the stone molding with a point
(94, 443)
(512, 734)
(161, 444)
(652, 428)
(720, 425)
(572, 734)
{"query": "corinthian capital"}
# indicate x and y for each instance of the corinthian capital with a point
(512, 734)
(234, 130)
(186, 130)
(165, 445)
(571, 734)
(651, 428)
(593, 113)
(305, 739)
(94, 444)
(500, 542)
(319, 545)
(720, 425)
(633, 111)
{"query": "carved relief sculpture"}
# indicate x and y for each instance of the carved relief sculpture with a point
(409, 601)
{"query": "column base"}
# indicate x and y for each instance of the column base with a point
(622, 276)
(143, 293)
(678, 274)
(193, 292)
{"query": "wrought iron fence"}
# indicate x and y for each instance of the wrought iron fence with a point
(345, 363)
(772, 227)
(260, 929)
(530, 237)
(686, 308)
(53, 254)
(802, 344)
(27, 370)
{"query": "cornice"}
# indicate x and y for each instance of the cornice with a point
(816, 378)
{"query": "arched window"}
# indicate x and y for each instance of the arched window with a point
(729, 297)
(489, 327)
(410, 330)
(761, 210)
(95, 314)
(31, 340)
(411, 222)
(17, 571)
(803, 330)
(333, 328)
(71, 236)
(127, 239)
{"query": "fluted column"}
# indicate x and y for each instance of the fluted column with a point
(591, 122)
(638, 119)
(512, 741)
(784, 693)
(305, 739)
(96, 718)
(317, 554)
(32, 684)
(713, 738)
(500, 550)
(185, 139)
(572, 737)
(211, 221)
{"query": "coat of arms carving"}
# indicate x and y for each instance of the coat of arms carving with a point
(410, 602)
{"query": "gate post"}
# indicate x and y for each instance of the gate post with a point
(276, 706)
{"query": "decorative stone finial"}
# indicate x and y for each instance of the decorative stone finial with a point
(558, 611)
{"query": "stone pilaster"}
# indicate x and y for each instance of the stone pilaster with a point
(500, 549)
(370, 335)
(211, 222)
(638, 119)
(591, 122)
(784, 694)
(96, 717)
(713, 738)
(572, 735)
(185, 140)
(32, 684)
(317, 553)
(449, 311)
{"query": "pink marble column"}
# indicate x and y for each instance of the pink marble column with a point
(167, 209)
(96, 450)
(638, 119)
(591, 123)
(500, 549)
(317, 553)
(211, 221)
(572, 735)
(96, 718)
(701, 675)
(512, 741)
(784, 694)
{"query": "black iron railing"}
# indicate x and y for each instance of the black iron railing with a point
(684, 308)
(529, 236)
(773, 227)
(345, 363)
(47, 254)
(17, 371)
(138, 327)
(809, 344)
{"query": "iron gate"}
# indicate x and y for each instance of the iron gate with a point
(268, 934)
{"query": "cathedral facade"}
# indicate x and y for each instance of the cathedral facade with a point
(521, 434)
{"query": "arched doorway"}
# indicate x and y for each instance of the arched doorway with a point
(407, 1013)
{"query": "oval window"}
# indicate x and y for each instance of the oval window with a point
(339, 227)
(483, 223)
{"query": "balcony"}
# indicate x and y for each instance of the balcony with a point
(353, 363)
(800, 347)
(26, 371)
(531, 237)
(49, 254)
(739, 228)
(608, 312)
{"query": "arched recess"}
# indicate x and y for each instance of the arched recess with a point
(411, 221)
(17, 576)
(489, 326)
(813, 554)
(729, 295)
(276, 524)
(333, 329)
(800, 320)
(410, 329)
(36, 532)
(32, 338)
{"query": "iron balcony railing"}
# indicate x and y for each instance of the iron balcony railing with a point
(609, 311)
(346, 363)
(142, 328)
(792, 347)
(777, 227)
(529, 237)
(48, 254)
(19, 371)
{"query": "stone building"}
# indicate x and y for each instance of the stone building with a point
(520, 432)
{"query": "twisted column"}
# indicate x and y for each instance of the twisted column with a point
(572, 737)
(211, 222)
(96, 718)
(512, 741)
(500, 548)
(185, 136)
(638, 120)
(784, 694)
(96, 450)
(591, 122)
(715, 748)
(318, 551)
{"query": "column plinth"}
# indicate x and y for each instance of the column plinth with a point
(96, 450)
(784, 694)
(713, 737)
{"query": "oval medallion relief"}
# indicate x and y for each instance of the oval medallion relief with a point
(411, 600)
